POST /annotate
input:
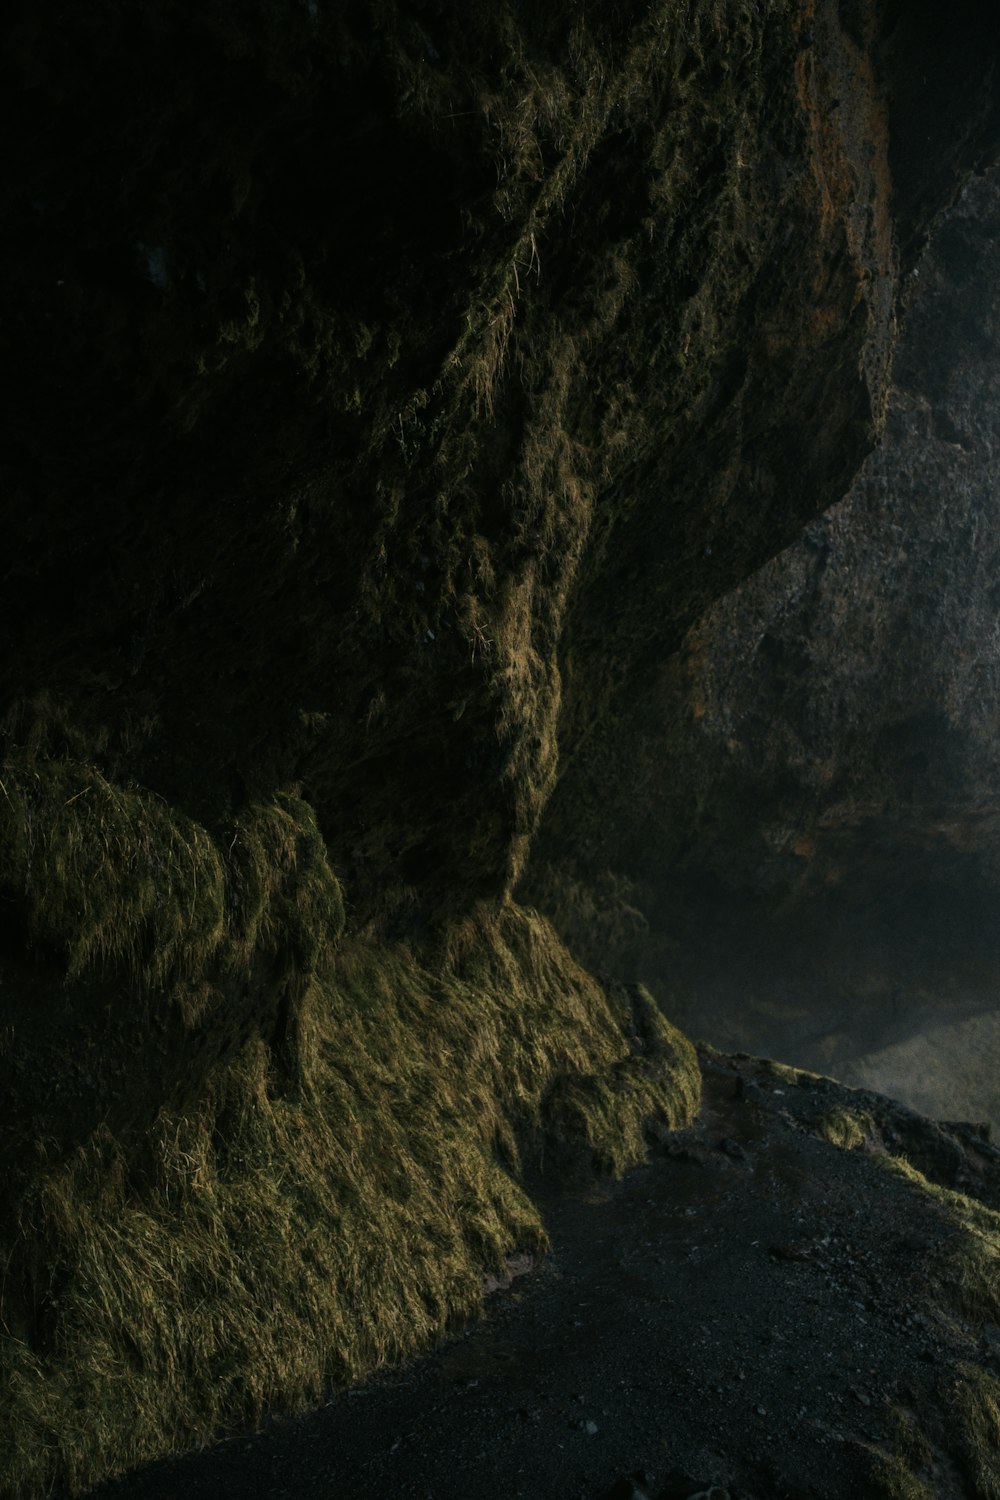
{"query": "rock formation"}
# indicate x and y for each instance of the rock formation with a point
(391, 387)
(803, 845)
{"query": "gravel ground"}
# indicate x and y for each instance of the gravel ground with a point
(753, 1310)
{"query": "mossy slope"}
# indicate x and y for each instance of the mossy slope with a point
(324, 1205)
(356, 355)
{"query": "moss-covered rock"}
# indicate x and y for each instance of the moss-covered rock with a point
(798, 850)
(388, 388)
(287, 1230)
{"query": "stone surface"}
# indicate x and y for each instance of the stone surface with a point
(389, 388)
(802, 832)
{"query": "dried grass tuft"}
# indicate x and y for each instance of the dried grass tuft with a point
(375, 1197)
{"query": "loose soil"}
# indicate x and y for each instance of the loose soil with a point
(752, 1309)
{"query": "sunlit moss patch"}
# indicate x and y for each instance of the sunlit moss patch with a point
(374, 1193)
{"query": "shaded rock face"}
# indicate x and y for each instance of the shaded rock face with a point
(803, 841)
(368, 340)
(391, 389)
(389, 393)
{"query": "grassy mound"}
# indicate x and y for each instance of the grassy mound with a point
(366, 1160)
(113, 876)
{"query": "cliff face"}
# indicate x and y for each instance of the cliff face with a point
(802, 843)
(391, 389)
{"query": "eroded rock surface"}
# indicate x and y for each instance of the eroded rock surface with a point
(801, 836)
(390, 387)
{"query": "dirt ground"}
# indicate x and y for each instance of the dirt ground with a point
(755, 1313)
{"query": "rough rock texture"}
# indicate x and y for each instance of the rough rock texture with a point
(389, 388)
(802, 838)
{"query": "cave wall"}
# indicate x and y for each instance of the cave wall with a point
(801, 844)
(323, 485)
(390, 389)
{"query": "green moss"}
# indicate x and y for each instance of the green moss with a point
(970, 1280)
(848, 1128)
(280, 885)
(892, 1478)
(112, 876)
(896, 1474)
(107, 874)
(324, 499)
(798, 1077)
(375, 1196)
(966, 1282)
(976, 1411)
